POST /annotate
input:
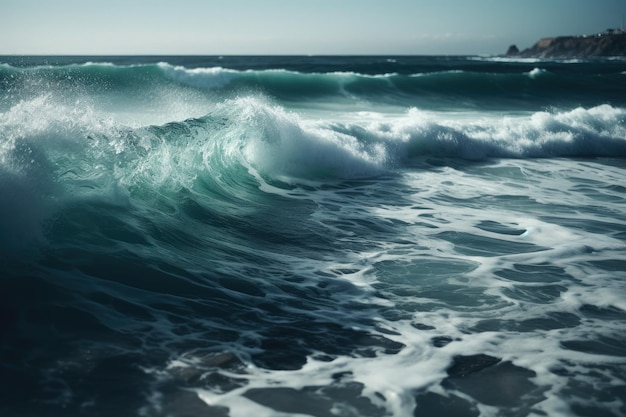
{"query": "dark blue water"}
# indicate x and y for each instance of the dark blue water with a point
(322, 236)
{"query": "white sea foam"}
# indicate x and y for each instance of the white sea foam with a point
(537, 72)
(506, 59)
(439, 204)
(598, 131)
(214, 77)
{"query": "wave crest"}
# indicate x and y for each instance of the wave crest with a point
(53, 152)
(598, 131)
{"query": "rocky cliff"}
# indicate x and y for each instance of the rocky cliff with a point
(606, 44)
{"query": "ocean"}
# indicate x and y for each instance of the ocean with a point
(312, 236)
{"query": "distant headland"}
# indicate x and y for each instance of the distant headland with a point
(611, 42)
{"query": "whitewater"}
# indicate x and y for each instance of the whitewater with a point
(312, 236)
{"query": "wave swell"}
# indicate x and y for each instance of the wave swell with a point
(49, 150)
(447, 88)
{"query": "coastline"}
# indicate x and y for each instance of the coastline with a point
(611, 43)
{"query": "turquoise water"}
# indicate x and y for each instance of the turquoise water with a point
(321, 236)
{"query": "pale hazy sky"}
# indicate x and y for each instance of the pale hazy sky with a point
(220, 27)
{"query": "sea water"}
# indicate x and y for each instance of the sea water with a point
(312, 236)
